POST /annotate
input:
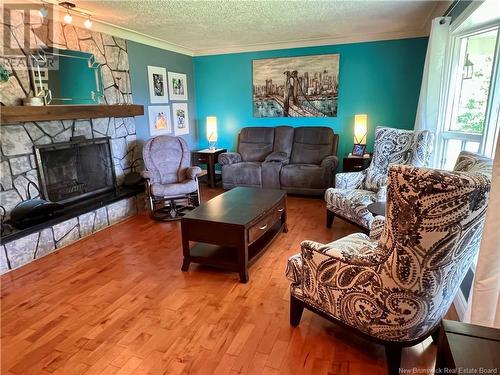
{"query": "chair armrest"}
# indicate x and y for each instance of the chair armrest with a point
(228, 158)
(192, 172)
(377, 228)
(382, 194)
(349, 180)
(278, 156)
(358, 250)
(331, 162)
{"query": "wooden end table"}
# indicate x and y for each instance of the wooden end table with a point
(467, 346)
(356, 163)
(233, 229)
(208, 157)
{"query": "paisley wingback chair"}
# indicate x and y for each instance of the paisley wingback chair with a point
(354, 191)
(172, 184)
(395, 286)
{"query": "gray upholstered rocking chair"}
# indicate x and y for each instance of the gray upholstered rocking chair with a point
(171, 182)
(394, 286)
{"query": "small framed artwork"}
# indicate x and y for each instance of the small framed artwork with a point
(157, 78)
(159, 120)
(177, 85)
(358, 150)
(181, 119)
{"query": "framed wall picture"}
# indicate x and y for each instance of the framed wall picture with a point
(181, 119)
(299, 86)
(159, 120)
(177, 85)
(157, 78)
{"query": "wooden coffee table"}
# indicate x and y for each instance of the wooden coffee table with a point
(233, 229)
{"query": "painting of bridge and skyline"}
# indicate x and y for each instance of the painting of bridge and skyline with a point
(304, 86)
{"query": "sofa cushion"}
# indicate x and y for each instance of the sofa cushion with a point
(244, 173)
(255, 143)
(283, 139)
(308, 176)
(311, 144)
(172, 190)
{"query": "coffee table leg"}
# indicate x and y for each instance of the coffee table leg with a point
(243, 260)
(284, 218)
(185, 248)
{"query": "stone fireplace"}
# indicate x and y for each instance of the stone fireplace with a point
(50, 159)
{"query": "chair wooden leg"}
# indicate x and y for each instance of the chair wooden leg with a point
(329, 218)
(296, 310)
(393, 357)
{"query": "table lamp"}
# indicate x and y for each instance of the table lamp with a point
(360, 131)
(212, 132)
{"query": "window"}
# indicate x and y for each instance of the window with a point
(472, 103)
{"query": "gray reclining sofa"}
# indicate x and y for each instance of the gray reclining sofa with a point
(299, 160)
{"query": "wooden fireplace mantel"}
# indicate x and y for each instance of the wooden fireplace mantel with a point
(15, 114)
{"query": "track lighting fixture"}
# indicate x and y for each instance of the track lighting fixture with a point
(68, 18)
(88, 23)
(43, 11)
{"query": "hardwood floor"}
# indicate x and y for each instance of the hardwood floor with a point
(118, 303)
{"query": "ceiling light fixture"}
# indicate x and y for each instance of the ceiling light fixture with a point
(88, 23)
(43, 11)
(68, 18)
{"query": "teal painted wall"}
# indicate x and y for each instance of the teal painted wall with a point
(381, 79)
(140, 56)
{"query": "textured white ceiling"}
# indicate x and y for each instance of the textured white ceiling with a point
(218, 26)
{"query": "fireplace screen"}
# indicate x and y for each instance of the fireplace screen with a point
(75, 170)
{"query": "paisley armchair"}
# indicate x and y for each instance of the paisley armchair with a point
(395, 286)
(354, 191)
(171, 183)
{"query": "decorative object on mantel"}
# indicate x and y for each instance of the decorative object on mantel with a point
(177, 85)
(35, 101)
(15, 114)
(160, 121)
(157, 78)
(181, 118)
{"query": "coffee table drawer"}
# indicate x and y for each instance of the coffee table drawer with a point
(266, 223)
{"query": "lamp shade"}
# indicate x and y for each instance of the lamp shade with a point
(212, 128)
(360, 129)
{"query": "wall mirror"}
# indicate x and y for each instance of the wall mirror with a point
(66, 77)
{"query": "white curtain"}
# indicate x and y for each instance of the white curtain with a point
(430, 102)
(484, 306)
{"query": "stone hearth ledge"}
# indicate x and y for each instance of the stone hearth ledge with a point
(19, 252)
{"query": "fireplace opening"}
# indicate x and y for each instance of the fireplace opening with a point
(75, 170)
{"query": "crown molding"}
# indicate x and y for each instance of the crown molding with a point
(135, 36)
(122, 32)
(313, 42)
